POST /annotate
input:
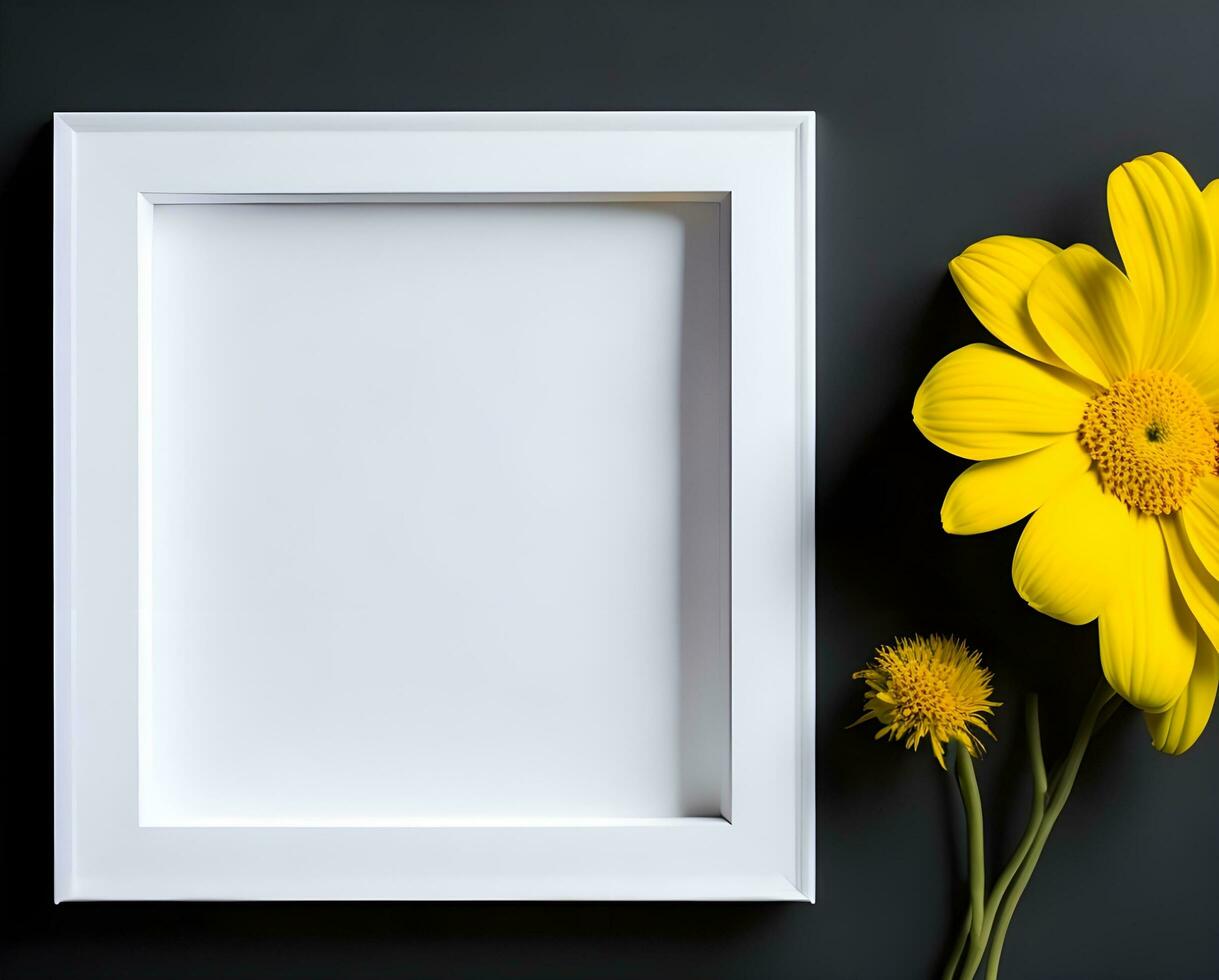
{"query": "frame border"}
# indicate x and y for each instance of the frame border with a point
(67, 125)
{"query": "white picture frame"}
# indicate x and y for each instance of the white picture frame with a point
(228, 726)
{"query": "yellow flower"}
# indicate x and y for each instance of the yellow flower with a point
(1102, 421)
(930, 688)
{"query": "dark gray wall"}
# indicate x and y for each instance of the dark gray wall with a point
(938, 123)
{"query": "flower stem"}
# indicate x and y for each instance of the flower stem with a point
(958, 947)
(977, 852)
(1064, 781)
(1107, 712)
(1032, 731)
(1102, 719)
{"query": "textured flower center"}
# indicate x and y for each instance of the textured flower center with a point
(921, 692)
(1153, 438)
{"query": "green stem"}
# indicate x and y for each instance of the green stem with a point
(1064, 781)
(958, 947)
(1110, 709)
(1107, 712)
(1032, 731)
(977, 852)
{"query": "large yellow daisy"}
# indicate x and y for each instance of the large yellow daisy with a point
(1102, 421)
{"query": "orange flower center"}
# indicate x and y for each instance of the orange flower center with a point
(1152, 438)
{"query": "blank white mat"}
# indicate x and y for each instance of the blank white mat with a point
(435, 514)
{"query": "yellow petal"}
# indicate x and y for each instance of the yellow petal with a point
(1174, 731)
(999, 492)
(1198, 587)
(1070, 550)
(1200, 516)
(1210, 204)
(1210, 201)
(982, 402)
(994, 276)
(1147, 633)
(1160, 224)
(1201, 366)
(1087, 312)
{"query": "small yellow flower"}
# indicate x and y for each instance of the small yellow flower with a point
(932, 688)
